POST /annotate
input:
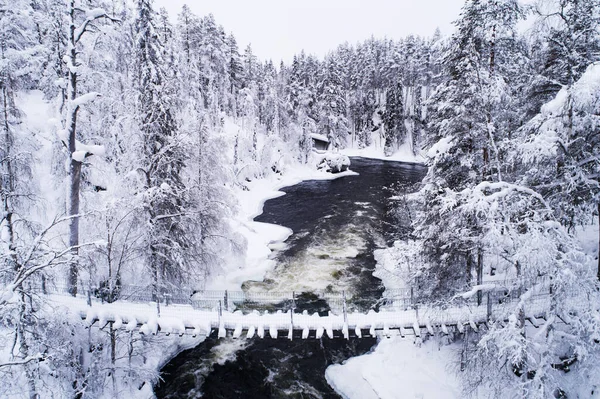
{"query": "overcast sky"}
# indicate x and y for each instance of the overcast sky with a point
(278, 29)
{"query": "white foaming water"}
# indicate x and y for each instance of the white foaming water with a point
(226, 350)
(322, 264)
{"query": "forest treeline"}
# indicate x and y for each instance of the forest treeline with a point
(126, 131)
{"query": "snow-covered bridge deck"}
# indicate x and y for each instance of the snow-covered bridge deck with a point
(205, 314)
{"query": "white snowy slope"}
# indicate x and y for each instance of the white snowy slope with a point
(398, 368)
(375, 151)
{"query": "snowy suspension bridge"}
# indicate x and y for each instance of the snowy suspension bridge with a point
(297, 315)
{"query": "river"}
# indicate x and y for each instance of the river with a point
(337, 224)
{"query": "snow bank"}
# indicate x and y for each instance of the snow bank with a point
(403, 154)
(398, 368)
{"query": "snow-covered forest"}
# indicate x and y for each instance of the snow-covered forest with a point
(130, 137)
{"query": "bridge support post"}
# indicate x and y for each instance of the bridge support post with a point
(220, 312)
(417, 313)
(292, 307)
(344, 308)
(489, 305)
(225, 300)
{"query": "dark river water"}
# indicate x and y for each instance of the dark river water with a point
(337, 224)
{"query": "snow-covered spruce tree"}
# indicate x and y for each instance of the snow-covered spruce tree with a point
(393, 118)
(332, 103)
(212, 60)
(567, 41)
(169, 247)
(465, 128)
(236, 71)
(302, 97)
(521, 240)
(268, 98)
(561, 149)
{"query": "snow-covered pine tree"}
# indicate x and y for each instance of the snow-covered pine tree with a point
(236, 73)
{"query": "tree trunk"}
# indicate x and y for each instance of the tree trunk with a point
(73, 209)
(74, 166)
(8, 178)
(24, 347)
(113, 345)
(598, 240)
(486, 159)
(479, 274)
(469, 268)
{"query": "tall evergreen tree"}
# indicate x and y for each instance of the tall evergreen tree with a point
(464, 136)
(332, 104)
(162, 157)
(393, 118)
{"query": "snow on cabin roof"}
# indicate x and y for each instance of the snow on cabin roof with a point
(319, 137)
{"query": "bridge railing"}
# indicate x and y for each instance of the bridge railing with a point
(496, 301)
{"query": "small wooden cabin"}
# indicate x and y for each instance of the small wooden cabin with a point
(320, 142)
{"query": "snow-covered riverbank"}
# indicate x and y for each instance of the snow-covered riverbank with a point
(262, 237)
(397, 368)
(403, 154)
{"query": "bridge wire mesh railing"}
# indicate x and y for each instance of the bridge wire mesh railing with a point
(498, 301)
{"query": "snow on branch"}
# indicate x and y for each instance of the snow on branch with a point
(476, 289)
(83, 151)
(84, 99)
(27, 269)
(21, 362)
(90, 16)
(503, 190)
(441, 147)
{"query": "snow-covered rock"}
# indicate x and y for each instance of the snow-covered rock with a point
(334, 163)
